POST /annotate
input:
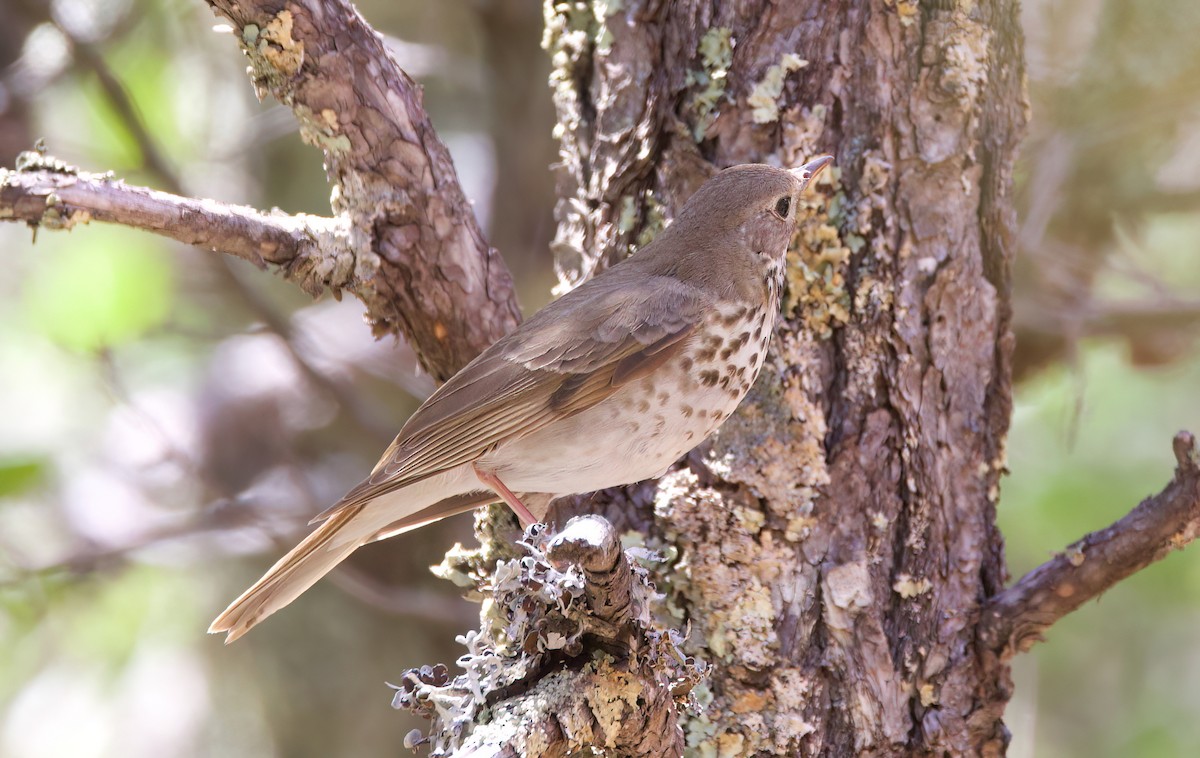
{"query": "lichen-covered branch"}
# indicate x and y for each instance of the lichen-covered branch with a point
(423, 265)
(1013, 620)
(566, 658)
(311, 250)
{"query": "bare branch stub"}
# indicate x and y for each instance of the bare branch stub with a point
(1013, 620)
(566, 657)
(44, 192)
(425, 268)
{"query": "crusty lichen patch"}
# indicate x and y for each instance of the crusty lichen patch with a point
(642, 211)
(708, 82)
(538, 635)
(765, 95)
(907, 10)
(275, 44)
(734, 564)
(820, 253)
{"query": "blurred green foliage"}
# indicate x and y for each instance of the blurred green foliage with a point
(100, 294)
(1119, 676)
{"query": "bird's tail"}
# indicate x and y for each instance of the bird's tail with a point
(330, 544)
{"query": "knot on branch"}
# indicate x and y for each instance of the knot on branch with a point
(566, 658)
(1187, 458)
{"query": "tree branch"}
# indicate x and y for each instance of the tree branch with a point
(568, 644)
(424, 267)
(313, 251)
(1013, 620)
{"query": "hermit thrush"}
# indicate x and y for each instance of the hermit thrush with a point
(608, 385)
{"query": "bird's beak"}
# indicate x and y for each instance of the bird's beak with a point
(809, 170)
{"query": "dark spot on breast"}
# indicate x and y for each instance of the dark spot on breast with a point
(753, 359)
(690, 435)
(732, 318)
(712, 340)
(702, 414)
(686, 363)
(643, 405)
(725, 382)
(709, 377)
(663, 397)
(758, 332)
(727, 351)
(686, 411)
(743, 339)
(706, 355)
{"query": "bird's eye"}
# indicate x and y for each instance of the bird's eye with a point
(783, 206)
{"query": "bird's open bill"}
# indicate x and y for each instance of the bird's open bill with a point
(809, 170)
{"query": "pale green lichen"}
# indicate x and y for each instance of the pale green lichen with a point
(572, 27)
(38, 160)
(321, 130)
(602, 10)
(716, 56)
(908, 587)
(276, 44)
(817, 265)
(642, 210)
(566, 36)
(535, 614)
(764, 98)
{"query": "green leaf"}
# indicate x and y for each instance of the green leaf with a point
(19, 474)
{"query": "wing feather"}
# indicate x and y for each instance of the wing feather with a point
(569, 356)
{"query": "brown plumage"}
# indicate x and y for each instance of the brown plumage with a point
(608, 385)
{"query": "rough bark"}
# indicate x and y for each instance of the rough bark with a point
(838, 538)
(428, 272)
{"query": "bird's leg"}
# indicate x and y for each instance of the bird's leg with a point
(491, 480)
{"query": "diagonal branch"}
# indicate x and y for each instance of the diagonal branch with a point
(311, 250)
(425, 268)
(1013, 620)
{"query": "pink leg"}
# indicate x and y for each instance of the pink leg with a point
(491, 480)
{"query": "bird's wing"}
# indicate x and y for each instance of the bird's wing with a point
(566, 358)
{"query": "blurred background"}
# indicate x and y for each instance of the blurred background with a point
(171, 419)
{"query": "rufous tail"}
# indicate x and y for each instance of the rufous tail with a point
(295, 572)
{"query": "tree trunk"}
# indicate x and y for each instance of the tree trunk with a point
(835, 542)
(830, 572)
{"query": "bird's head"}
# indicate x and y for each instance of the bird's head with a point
(741, 220)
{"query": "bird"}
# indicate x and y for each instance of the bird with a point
(608, 385)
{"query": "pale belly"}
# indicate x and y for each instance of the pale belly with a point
(639, 431)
